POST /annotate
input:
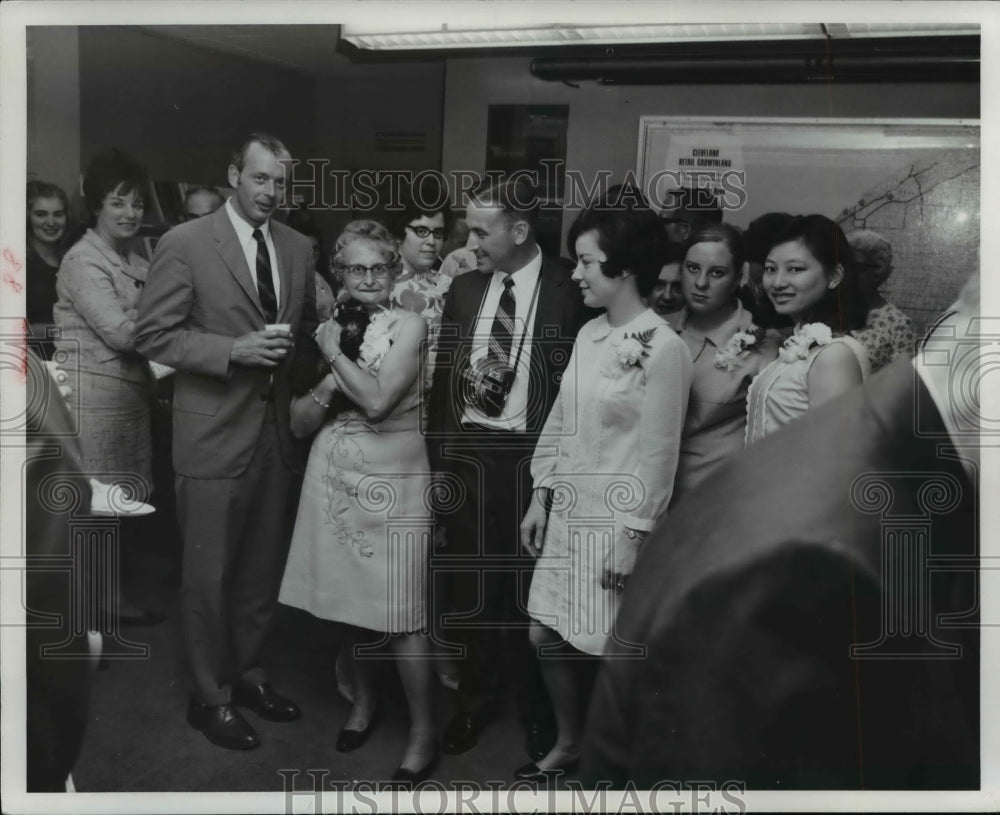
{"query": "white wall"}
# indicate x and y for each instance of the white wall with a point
(604, 120)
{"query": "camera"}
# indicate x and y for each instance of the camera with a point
(487, 385)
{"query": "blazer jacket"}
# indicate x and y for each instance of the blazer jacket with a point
(559, 314)
(199, 297)
(809, 614)
(98, 290)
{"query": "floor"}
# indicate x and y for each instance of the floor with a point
(138, 739)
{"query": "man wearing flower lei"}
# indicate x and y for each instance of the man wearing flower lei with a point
(727, 349)
(810, 277)
(359, 550)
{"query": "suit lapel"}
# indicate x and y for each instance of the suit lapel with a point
(229, 249)
(550, 304)
(473, 303)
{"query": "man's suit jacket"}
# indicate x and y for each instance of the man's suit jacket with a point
(751, 594)
(199, 297)
(559, 314)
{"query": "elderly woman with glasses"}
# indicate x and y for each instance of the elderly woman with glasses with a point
(360, 546)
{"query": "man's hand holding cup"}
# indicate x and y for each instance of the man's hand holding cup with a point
(263, 349)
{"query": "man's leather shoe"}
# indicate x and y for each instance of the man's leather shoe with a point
(539, 738)
(462, 732)
(222, 725)
(266, 702)
(350, 740)
(531, 772)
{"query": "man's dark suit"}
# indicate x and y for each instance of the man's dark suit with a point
(493, 467)
(233, 451)
(751, 595)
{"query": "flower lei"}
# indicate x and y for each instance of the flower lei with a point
(440, 287)
(377, 341)
(805, 337)
(634, 348)
(738, 348)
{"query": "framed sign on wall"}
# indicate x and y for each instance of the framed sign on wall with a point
(915, 181)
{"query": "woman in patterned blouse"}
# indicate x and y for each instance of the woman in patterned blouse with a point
(420, 233)
(888, 334)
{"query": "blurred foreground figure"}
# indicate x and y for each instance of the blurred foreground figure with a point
(822, 631)
(58, 688)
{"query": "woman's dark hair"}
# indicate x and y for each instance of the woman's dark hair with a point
(721, 233)
(627, 195)
(757, 237)
(108, 171)
(632, 239)
(431, 191)
(843, 308)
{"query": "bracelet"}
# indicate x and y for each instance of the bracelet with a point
(317, 400)
(334, 358)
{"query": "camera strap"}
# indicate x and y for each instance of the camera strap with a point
(527, 321)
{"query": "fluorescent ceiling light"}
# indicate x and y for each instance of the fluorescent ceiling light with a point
(441, 37)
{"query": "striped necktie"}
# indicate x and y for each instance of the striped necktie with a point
(502, 333)
(265, 283)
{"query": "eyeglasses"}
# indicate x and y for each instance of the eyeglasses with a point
(423, 232)
(380, 271)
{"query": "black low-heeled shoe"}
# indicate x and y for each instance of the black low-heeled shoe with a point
(410, 778)
(532, 772)
(350, 740)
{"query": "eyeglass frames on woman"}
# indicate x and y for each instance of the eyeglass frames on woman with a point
(423, 232)
(380, 271)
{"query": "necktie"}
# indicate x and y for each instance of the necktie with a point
(265, 283)
(502, 333)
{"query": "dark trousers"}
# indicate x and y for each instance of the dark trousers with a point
(488, 575)
(236, 536)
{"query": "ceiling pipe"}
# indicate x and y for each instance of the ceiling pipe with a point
(942, 59)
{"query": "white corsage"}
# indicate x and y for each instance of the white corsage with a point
(633, 349)
(805, 337)
(737, 349)
(377, 342)
(440, 287)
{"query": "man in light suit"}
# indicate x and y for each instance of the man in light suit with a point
(214, 285)
(810, 613)
(522, 310)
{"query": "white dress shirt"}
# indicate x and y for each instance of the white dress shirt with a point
(515, 413)
(244, 233)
